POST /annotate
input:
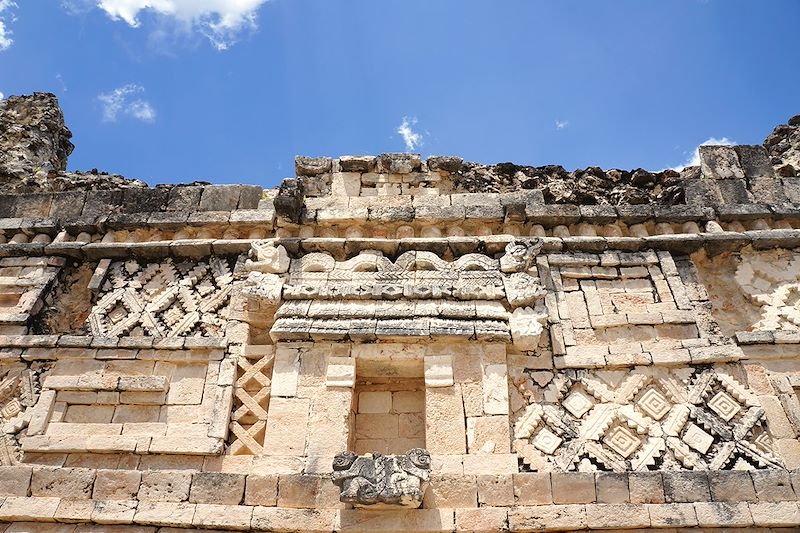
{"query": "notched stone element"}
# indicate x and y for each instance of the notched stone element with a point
(382, 481)
(290, 199)
(268, 258)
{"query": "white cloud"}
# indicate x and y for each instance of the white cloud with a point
(410, 137)
(694, 161)
(123, 101)
(2, 96)
(561, 124)
(5, 34)
(221, 21)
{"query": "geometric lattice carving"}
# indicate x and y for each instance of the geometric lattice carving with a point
(165, 299)
(641, 419)
(771, 280)
(19, 390)
(251, 402)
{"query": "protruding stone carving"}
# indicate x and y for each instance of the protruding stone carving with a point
(527, 325)
(378, 480)
(268, 258)
(267, 288)
(520, 255)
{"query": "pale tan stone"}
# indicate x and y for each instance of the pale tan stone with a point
(485, 519)
(114, 511)
(547, 518)
(445, 429)
(235, 517)
(279, 520)
(329, 431)
(164, 513)
(447, 491)
(413, 520)
(20, 508)
(286, 426)
(73, 483)
(672, 514)
(15, 480)
(573, 487)
(74, 510)
(488, 434)
(165, 486)
(496, 491)
(408, 401)
(777, 422)
(261, 490)
(723, 514)
(532, 488)
(617, 515)
(490, 464)
(774, 514)
(495, 389)
(376, 402)
(217, 487)
(116, 485)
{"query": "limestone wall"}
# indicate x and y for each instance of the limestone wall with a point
(196, 356)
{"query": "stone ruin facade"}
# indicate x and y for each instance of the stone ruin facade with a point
(396, 344)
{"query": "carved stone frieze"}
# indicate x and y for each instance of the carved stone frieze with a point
(166, 299)
(370, 296)
(378, 480)
(771, 281)
(19, 390)
(640, 419)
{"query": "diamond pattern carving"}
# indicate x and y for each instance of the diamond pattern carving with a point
(546, 440)
(725, 406)
(251, 402)
(622, 441)
(653, 404)
(578, 404)
(642, 419)
(697, 438)
(164, 299)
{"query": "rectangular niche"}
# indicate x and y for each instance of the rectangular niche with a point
(389, 415)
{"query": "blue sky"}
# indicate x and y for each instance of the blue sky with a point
(232, 91)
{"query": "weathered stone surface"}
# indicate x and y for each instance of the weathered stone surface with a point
(381, 480)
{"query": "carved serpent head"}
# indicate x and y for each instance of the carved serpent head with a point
(344, 460)
(420, 457)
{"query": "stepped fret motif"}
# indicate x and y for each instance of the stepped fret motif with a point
(595, 420)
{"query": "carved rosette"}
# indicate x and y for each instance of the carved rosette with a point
(382, 481)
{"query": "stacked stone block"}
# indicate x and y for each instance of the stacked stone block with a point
(199, 357)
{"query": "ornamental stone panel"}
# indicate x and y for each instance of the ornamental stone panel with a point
(388, 343)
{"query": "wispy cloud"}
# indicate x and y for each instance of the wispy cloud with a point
(221, 21)
(561, 124)
(411, 138)
(694, 160)
(123, 101)
(61, 81)
(5, 34)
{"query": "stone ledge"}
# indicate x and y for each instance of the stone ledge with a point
(285, 520)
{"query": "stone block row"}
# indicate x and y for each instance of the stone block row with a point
(451, 486)
(485, 519)
(71, 205)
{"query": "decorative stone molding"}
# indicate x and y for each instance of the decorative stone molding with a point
(369, 296)
(378, 481)
(639, 419)
(166, 299)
